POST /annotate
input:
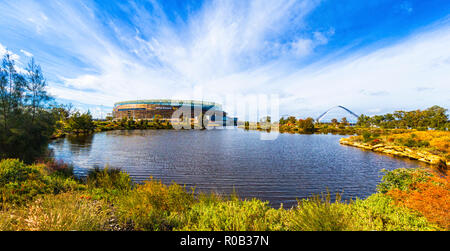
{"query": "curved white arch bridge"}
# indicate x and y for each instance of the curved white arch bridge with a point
(339, 107)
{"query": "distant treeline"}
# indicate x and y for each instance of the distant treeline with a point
(304, 125)
(131, 124)
(434, 117)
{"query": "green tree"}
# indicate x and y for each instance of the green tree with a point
(307, 125)
(363, 121)
(335, 122)
(344, 121)
(389, 121)
(26, 118)
(81, 123)
(377, 120)
(436, 117)
(292, 120)
(247, 125)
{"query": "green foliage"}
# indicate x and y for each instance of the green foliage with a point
(344, 122)
(379, 213)
(370, 137)
(109, 180)
(231, 215)
(126, 124)
(80, 123)
(26, 121)
(401, 179)
(367, 136)
(306, 125)
(63, 212)
(363, 121)
(434, 117)
(59, 169)
(14, 170)
(20, 183)
(154, 206)
(320, 214)
(412, 142)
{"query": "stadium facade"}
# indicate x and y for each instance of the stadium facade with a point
(165, 109)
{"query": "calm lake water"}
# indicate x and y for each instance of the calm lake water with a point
(280, 171)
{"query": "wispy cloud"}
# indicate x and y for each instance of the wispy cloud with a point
(305, 46)
(26, 53)
(406, 6)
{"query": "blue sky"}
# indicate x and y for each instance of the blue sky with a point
(370, 56)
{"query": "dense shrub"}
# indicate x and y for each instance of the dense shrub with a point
(231, 215)
(14, 170)
(320, 214)
(107, 179)
(430, 197)
(378, 212)
(411, 142)
(155, 206)
(63, 212)
(58, 168)
(20, 183)
(402, 179)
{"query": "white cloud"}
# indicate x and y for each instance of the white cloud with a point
(26, 53)
(406, 6)
(303, 47)
(4, 50)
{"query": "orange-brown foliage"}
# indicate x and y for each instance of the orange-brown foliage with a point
(437, 139)
(431, 198)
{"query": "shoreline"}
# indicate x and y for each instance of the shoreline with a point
(399, 151)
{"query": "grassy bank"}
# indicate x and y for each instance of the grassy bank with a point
(48, 197)
(432, 147)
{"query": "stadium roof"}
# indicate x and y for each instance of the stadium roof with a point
(172, 102)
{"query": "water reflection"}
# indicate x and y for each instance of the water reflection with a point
(81, 140)
(80, 144)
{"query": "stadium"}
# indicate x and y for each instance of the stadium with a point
(164, 109)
